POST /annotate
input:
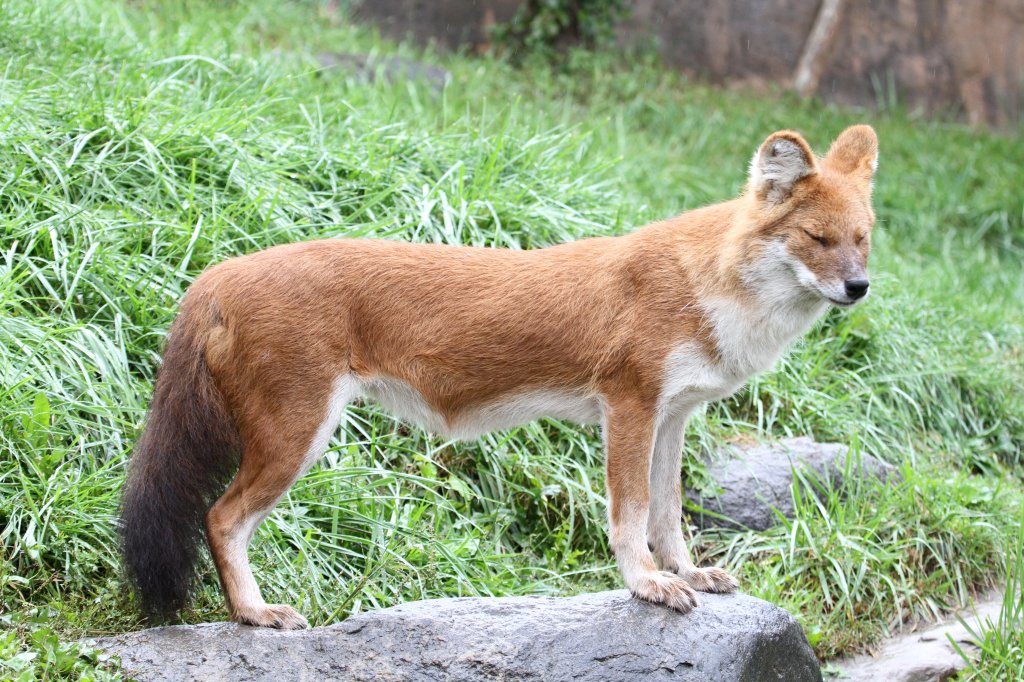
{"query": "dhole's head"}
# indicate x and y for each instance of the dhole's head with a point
(812, 217)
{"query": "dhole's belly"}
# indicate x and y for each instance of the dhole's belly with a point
(405, 402)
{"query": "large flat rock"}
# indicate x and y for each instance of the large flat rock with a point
(605, 636)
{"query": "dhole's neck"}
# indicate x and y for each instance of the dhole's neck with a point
(747, 287)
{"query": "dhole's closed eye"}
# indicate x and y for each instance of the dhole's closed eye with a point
(816, 237)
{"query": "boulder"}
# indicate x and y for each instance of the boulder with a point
(368, 68)
(756, 480)
(604, 636)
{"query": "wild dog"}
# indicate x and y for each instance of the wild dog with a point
(632, 332)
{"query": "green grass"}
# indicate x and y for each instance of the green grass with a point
(141, 143)
(856, 568)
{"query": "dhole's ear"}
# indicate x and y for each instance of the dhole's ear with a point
(783, 160)
(855, 153)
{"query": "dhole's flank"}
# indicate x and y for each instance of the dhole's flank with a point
(631, 332)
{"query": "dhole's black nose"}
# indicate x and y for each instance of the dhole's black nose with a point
(856, 288)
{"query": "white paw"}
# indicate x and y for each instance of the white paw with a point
(710, 579)
(662, 587)
(280, 616)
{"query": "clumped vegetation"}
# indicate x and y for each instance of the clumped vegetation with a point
(546, 28)
(141, 143)
(1001, 640)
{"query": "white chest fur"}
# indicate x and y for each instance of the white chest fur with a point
(749, 339)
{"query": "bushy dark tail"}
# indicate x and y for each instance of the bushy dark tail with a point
(181, 464)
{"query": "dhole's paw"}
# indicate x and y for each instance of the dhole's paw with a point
(280, 616)
(661, 587)
(710, 580)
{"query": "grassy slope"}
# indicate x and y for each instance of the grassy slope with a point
(137, 147)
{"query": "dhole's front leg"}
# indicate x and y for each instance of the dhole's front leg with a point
(664, 532)
(629, 435)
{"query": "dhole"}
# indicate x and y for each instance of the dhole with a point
(631, 332)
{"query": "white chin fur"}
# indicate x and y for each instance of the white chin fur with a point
(845, 301)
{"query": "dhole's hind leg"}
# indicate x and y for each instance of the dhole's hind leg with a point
(272, 459)
(664, 530)
(231, 523)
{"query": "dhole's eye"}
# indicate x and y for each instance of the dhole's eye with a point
(816, 237)
(861, 238)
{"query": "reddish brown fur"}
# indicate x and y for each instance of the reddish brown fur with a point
(468, 326)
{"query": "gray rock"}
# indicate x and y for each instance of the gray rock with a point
(927, 654)
(757, 480)
(389, 69)
(450, 23)
(605, 636)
